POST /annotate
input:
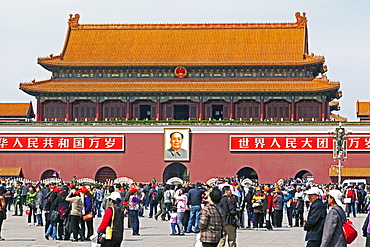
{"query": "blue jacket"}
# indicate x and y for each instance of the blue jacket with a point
(195, 196)
(315, 221)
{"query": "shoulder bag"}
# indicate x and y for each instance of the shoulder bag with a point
(109, 229)
(349, 230)
(54, 216)
(89, 216)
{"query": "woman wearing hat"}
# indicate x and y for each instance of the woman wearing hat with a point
(76, 212)
(113, 217)
(332, 234)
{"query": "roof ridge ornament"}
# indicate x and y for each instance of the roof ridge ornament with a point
(301, 19)
(73, 21)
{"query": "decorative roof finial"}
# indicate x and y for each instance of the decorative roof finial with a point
(73, 21)
(301, 19)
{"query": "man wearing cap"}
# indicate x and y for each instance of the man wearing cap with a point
(315, 219)
(332, 234)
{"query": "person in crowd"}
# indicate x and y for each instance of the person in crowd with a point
(299, 206)
(153, 200)
(18, 200)
(315, 218)
(87, 208)
(134, 208)
(173, 221)
(52, 228)
(350, 200)
(366, 228)
(240, 205)
(211, 221)
(195, 202)
(267, 208)
(24, 194)
(168, 200)
(361, 193)
(113, 216)
(332, 234)
(257, 204)
(162, 207)
(98, 199)
(31, 204)
(181, 201)
(63, 206)
(74, 198)
(105, 203)
(278, 208)
(39, 206)
(9, 198)
(248, 204)
(2, 210)
(228, 206)
(288, 201)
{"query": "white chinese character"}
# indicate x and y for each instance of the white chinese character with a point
(306, 143)
(322, 142)
(94, 140)
(354, 141)
(63, 143)
(367, 142)
(291, 143)
(33, 143)
(79, 143)
(275, 142)
(110, 142)
(259, 142)
(243, 143)
(48, 142)
(3, 142)
(17, 142)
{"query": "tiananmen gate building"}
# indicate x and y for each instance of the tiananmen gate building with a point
(227, 71)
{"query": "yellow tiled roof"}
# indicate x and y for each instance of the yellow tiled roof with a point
(185, 44)
(10, 171)
(351, 172)
(363, 108)
(178, 85)
(15, 109)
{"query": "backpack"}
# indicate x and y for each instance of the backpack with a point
(155, 196)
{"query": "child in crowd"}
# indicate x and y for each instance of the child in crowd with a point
(173, 220)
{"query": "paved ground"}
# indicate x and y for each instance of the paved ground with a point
(156, 233)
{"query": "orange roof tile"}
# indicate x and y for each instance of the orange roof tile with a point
(363, 108)
(10, 171)
(15, 109)
(185, 44)
(176, 85)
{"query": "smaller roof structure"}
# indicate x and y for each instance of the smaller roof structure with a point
(10, 171)
(16, 112)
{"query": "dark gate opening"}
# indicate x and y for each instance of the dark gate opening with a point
(176, 170)
(248, 172)
(303, 174)
(217, 112)
(105, 174)
(181, 112)
(144, 112)
(48, 174)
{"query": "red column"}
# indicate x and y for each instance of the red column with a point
(262, 110)
(38, 110)
(97, 111)
(158, 114)
(200, 106)
(231, 111)
(68, 110)
(292, 111)
(323, 110)
(128, 106)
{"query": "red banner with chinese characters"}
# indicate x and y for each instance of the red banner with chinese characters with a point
(287, 142)
(61, 143)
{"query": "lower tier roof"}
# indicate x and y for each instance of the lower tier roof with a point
(225, 86)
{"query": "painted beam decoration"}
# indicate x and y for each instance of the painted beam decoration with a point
(67, 142)
(289, 142)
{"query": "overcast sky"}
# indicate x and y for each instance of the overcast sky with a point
(338, 29)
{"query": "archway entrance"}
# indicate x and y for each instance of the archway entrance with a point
(48, 174)
(248, 172)
(303, 174)
(105, 174)
(176, 170)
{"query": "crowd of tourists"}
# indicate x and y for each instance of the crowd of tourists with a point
(214, 210)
